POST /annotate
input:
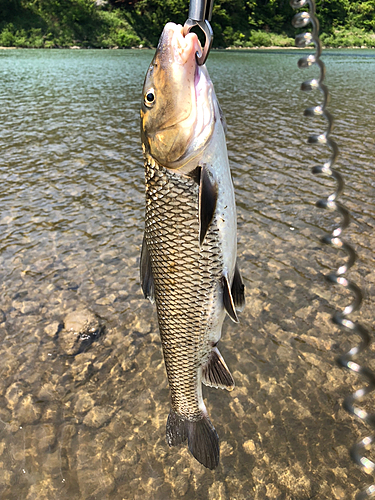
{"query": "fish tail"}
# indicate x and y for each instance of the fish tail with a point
(204, 442)
(176, 429)
(202, 437)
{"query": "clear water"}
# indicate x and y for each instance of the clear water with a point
(89, 423)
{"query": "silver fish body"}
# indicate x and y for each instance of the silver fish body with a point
(188, 266)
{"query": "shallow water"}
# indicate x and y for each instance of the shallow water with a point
(84, 418)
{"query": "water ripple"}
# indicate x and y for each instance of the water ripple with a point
(71, 222)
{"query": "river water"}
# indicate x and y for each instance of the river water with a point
(82, 415)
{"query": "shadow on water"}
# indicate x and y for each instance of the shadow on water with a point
(87, 421)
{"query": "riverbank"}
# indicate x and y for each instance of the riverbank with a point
(338, 39)
(134, 23)
(245, 49)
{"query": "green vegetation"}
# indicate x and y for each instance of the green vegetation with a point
(131, 23)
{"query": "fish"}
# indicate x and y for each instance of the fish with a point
(188, 263)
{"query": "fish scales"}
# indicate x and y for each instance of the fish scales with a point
(186, 278)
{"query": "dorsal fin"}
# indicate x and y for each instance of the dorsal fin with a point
(147, 280)
(238, 290)
(228, 299)
(207, 202)
(215, 372)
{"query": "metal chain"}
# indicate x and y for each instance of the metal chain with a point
(341, 318)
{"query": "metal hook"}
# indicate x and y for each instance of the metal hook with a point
(200, 13)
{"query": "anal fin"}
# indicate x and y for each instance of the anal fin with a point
(215, 372)
(228, 299)
(238, 290)
(147, 280)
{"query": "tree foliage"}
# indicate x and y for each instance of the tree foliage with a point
(125, 23)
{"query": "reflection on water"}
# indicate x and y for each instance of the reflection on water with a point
(83, 391)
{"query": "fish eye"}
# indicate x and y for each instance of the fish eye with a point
(150, 97)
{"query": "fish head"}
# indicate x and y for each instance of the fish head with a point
(178, 111)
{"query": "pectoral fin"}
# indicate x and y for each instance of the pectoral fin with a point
(147, 280)
(238, 290)
(228, 299)
(207, 202)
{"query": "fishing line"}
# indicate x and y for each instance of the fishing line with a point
(333, 239)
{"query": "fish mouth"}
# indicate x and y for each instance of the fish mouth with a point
(184, 48)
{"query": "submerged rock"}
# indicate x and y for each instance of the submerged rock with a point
(81, 329)
(28, 411)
